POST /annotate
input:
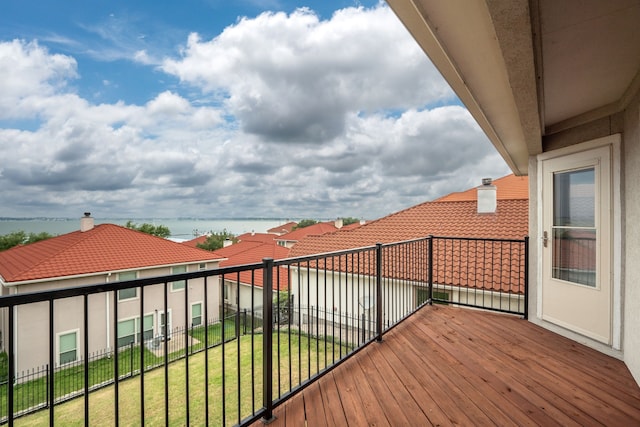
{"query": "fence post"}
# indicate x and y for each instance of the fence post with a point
(526, 277)
(379, 291)
(244, 323)
(430, 269)
(267, 340)
(131, 359)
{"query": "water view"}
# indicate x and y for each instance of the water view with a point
(181, 228)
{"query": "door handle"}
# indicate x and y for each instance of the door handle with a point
(545, 239)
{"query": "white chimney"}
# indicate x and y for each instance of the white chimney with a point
(227, 242)
(338, 223)
(487, 197)
(86, 222)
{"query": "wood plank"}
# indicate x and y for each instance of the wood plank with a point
(505, 378)
(446, 366)
(572, 379)
(313, 406)
(332, 403)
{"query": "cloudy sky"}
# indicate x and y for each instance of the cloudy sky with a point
(217, 108)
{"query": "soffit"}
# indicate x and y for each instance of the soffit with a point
(591, 57)
(526, 68)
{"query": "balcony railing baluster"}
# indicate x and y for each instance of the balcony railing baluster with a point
(327, 307)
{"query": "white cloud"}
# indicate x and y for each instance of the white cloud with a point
(29, 72)
(296, 78)
(279, 115)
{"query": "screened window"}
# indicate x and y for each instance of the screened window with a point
(68, 347)
(196, 314)
(179, 284)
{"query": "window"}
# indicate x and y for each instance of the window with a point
(126, 294)
(180, 284)
(226, 292)
(202, 266)
(129, 330)
(67, 347)
(162, 325)
(196, 314)
(147, 332)
(126, 332)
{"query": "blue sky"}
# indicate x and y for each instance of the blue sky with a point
(218, 109)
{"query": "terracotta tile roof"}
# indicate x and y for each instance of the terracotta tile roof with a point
(252, 252)
(351, 226)
(312, 230)
(195, 242)
(451, 215)
(509, 187)
(282, 229)
(257, 237)
(106, 247)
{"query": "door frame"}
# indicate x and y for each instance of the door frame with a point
(614, 141)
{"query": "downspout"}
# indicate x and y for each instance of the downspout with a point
(15, 334)
(106, 303)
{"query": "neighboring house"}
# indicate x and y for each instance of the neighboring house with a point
(97, 255)
(494, 211)
(282, 229)
(244, 290)
(555, 85)
(257, 237)
(290, 239)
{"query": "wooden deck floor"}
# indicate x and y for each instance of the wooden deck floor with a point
(449, 366)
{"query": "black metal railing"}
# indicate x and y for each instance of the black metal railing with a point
(320, 310)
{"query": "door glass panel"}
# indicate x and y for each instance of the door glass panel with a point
(574, 227)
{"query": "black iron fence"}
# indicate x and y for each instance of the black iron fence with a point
(322, 309)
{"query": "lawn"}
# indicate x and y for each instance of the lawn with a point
(234, 385)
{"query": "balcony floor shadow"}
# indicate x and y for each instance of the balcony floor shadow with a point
(446, 366)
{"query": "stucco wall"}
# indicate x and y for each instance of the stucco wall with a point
(32, 321)
(631, 229)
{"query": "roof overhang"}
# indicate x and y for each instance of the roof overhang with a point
(529, 68)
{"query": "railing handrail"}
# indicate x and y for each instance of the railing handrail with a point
(414, 272)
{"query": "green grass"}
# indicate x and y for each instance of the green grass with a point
(32, 393)
(223, 385)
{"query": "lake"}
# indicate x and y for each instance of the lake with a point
(181, 228)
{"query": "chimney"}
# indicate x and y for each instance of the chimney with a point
(86, 222)
(487, 197)
(227, 242)
(338, 223)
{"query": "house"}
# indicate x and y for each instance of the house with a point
(98, 254)
(283, 229)
(556, 88)
(243, 291)
(257, 237)
(495, 210)
(288, 240)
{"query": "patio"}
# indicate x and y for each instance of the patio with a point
(446, 366)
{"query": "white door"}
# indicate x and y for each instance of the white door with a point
(576, 224)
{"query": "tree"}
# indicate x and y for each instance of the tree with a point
(155, 230)
(305, 223)
(349, 220)
(21, 238)
(216, 240)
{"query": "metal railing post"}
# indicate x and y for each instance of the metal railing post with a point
(379, 291)
(267, 340)
(526, 277)
(430, 270)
